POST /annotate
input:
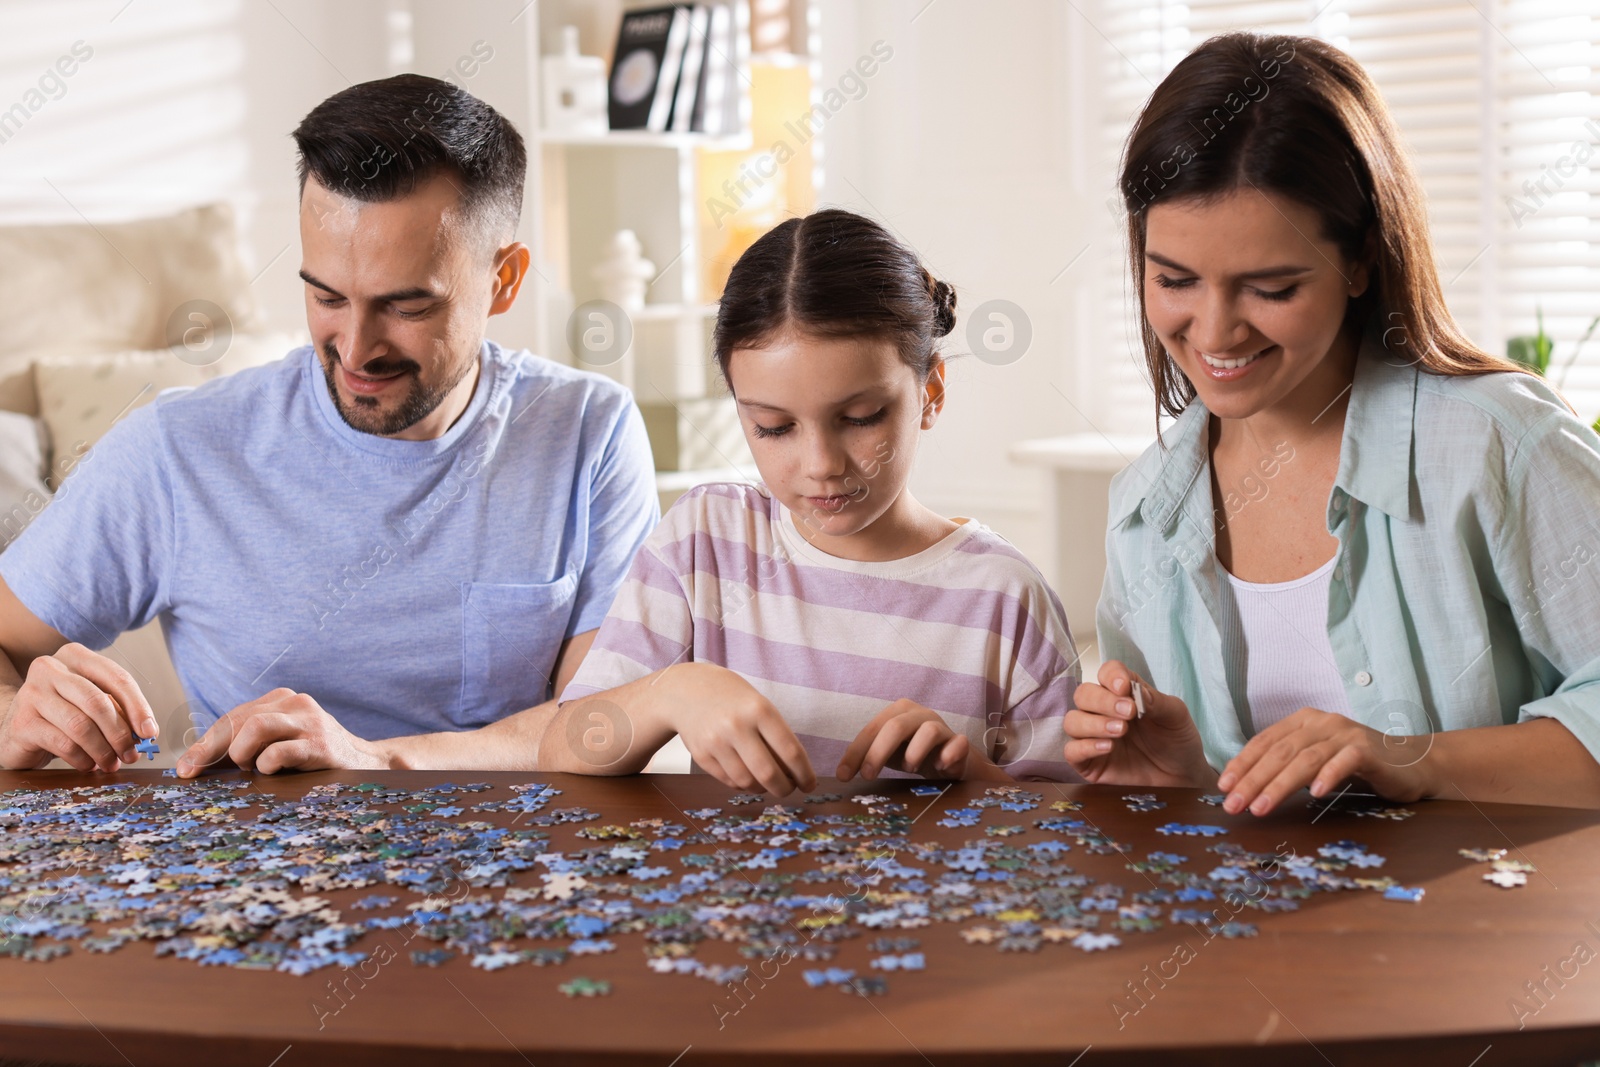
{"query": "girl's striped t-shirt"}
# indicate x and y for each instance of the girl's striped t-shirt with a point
(967, 627)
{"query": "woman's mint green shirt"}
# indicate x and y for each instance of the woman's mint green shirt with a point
(1466, 591)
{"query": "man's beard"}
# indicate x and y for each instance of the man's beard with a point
(368, 417)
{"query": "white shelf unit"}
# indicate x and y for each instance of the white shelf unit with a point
(583, 188)
(589, 186)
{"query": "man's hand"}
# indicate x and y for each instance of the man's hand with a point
(1109, 745)
(1322, 749)
(283, 730)
(905, 736)
(78, 705)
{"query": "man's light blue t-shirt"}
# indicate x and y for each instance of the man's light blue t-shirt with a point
(407, 586)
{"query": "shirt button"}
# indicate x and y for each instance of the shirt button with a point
(1338, 572)
(1363, 678)
(1338, 500)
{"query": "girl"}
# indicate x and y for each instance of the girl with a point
(1365, 545)
(825, 618)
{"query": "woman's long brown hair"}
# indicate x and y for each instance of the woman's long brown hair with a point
(1297, 117)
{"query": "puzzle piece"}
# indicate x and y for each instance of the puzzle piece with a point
(494, 961)
(586, 987)
(1190, 831)
(1482, 855)
(910, 961)
(866, 987)
(563, 886)
(1096, 942)
(829, 976)
(148, 747)
(1506, 879)
(1410, 896)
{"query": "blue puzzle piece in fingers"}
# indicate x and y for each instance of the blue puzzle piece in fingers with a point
(148, 746)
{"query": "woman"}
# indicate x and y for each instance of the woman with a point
(1366, 548)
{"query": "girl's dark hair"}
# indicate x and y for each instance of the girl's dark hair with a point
(1297, 117)
(833, 274)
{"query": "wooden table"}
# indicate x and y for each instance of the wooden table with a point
(1349, 979)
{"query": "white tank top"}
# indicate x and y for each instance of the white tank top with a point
(1278, 646)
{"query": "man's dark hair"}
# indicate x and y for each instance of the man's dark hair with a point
(379, 140)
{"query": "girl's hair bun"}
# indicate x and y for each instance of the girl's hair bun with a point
(834, 273)
(944, 306)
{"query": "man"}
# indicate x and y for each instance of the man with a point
(403, 529)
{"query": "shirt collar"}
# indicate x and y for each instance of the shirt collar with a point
(1183, 461)
(1375, 456)
(1375, 460)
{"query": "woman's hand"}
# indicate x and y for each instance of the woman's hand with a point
(906, 736)
(1322, 749)
(731, 730)
(1110, 745)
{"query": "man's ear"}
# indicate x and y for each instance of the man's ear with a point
(933, 393)
(510, 268)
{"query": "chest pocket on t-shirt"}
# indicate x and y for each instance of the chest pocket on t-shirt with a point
(510, 637)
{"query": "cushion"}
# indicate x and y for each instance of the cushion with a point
(78, 289)
(81, 397)
(22, 490)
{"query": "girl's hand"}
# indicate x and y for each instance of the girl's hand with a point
(907, 737)
(1321, 748)
(733, 731)
(1110, 745)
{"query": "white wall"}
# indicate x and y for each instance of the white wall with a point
(964, 143)
(182, 102)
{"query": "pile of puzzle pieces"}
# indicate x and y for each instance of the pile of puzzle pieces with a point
(509, 882)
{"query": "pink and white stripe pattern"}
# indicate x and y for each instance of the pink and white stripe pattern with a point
(967, 628)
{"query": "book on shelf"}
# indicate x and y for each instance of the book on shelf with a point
(673, 68)
(639, 64)
(694, 57)
(716, 73)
